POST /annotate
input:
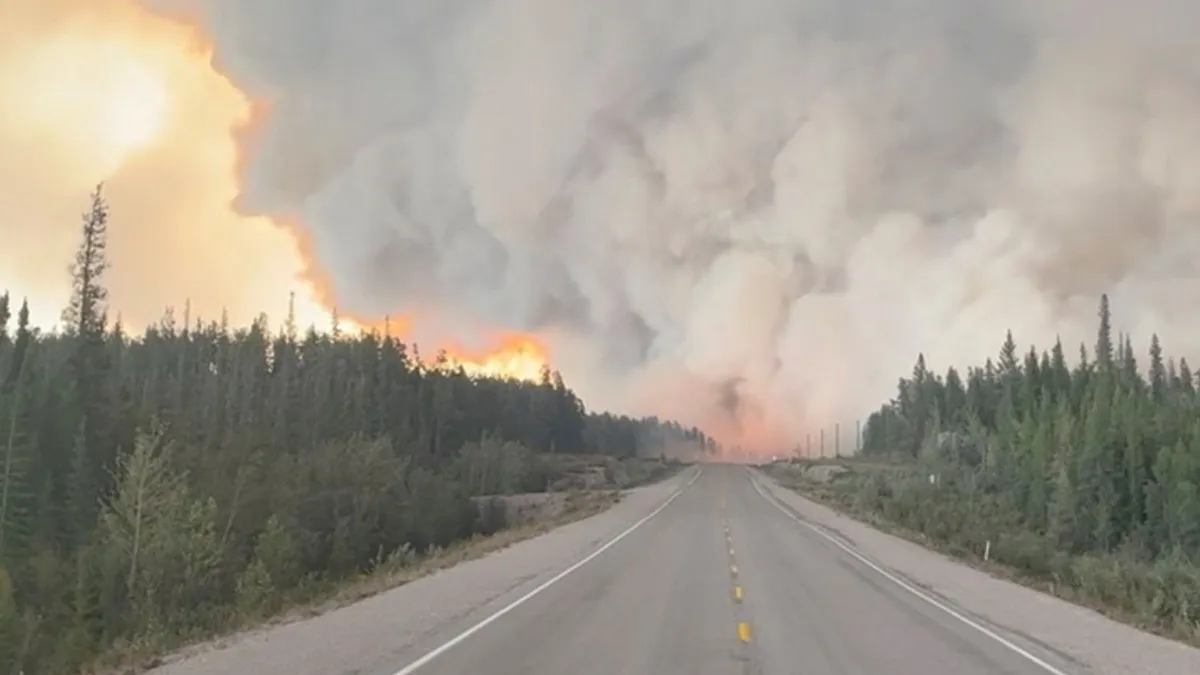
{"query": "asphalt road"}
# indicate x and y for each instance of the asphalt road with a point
(706, 573)
(723, 580)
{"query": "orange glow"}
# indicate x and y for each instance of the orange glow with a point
(508, 355)
(105, 91)
(316, 281)
(124, 92)
(518, 357)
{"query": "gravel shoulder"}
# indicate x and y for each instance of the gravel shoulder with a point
(381, 634)
(1102, 645)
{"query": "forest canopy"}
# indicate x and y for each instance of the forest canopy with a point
(1095, 456)
(1081, 475)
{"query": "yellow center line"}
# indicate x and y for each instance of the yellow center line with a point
(743, 631)
(738, 594)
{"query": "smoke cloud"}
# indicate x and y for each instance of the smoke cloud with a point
(751, 215)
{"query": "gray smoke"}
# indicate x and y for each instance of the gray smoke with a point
(750, 214)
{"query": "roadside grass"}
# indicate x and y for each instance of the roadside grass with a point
(1162, 597)
(315, 596)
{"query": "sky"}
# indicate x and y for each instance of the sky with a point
(750, 216)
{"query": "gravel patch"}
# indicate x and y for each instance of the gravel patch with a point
(383, 633)
(1101, 645)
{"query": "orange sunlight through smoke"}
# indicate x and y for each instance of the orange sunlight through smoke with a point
(124, 93)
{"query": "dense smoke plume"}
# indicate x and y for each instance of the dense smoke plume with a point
(749, 214)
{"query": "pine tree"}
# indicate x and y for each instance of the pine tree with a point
(1158, 374)
(1104, 339)
(5, 315)
(1129, 366)
(954, 401)
(1061, 514)
(85, 315)
(16, 492)
(1009, 365)
(85, 320)
(20, 347)
(1187, 383)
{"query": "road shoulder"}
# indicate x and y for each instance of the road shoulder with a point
(382, 633)
(1104, 646)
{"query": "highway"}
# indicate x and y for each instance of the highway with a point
(706, 573)
(724, 581)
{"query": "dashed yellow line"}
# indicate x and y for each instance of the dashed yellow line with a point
(743, 627)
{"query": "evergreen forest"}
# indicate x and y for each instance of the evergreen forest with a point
(153, 488)
(1081, 474)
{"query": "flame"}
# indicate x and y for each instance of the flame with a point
(514, 356)
(114, 90)
(511, 356)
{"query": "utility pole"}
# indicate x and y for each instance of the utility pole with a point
(837, 439)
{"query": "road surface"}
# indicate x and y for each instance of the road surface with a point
(710, 577)
(724, 581)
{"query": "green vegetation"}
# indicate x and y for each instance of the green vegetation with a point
(161, 488)
(1085, 479)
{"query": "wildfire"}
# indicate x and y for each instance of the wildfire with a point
(507, 355)
(113, 85)
(515, 357)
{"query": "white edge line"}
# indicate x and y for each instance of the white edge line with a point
(461, 637)
(1030, 656)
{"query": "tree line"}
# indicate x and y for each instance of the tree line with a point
(1085, 475)
(151, 486)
